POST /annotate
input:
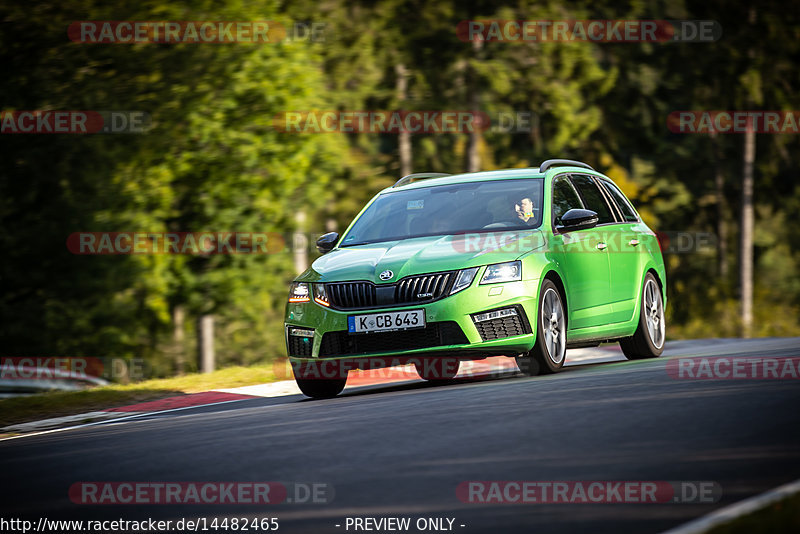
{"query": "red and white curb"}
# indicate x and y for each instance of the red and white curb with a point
(392, 375)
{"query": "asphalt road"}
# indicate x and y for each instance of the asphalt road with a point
(402, 450)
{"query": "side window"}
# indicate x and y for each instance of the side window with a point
(622, 202)
(564, 198)
(593, 198)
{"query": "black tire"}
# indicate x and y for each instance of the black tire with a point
(641, 345)
(539, 360)
(320, 388)
(437, 370)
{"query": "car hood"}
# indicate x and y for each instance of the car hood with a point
(422, 255)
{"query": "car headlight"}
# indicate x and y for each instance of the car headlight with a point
(321, 296)
(299, 292)
(502, 272)
(463, 279)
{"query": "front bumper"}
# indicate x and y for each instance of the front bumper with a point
(451, 328)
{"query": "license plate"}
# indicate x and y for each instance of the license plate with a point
(386, 321)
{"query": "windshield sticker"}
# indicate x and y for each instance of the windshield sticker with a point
(415, 204)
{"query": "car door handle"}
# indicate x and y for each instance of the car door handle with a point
(601, 246)
(633, 242)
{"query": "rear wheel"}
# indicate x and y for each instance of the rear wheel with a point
(439, 369)
(648, 340)
(549, 351)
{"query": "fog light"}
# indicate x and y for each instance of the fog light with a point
(496, 314)
(301, 332)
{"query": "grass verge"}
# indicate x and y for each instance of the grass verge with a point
(779, 517)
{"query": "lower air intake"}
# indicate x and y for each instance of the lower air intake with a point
(434, 335)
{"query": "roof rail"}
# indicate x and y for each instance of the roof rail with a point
(562, 162)
(418, 176)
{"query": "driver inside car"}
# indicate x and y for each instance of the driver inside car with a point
(525, 209)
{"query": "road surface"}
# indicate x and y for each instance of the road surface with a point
(402, 450)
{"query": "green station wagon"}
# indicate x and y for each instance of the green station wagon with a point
(438, 269)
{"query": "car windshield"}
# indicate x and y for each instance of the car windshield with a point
(450, 209)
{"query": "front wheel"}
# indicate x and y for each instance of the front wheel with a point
(549, 351)
(437, 369)
(648, 340)
(321, 388)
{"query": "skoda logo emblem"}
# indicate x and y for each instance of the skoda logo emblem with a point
(386, 275)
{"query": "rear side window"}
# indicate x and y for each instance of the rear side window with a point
(593, 198)
(622, 203)
(564, 198)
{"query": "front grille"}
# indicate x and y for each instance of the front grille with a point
(352, 295)
(425, 288)
(433, 335)
(418, 289)
(513, 325)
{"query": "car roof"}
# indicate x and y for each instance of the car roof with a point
(484, 176)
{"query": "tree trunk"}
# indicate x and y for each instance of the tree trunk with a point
(205, 343)
(722, 228)
(178, 320)
(473, 147)
(747, 218)
(536, 134)
(404, 140)
(300, 243)
(722, 210)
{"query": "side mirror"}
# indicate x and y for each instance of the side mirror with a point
(326, 243)
(578, 219)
